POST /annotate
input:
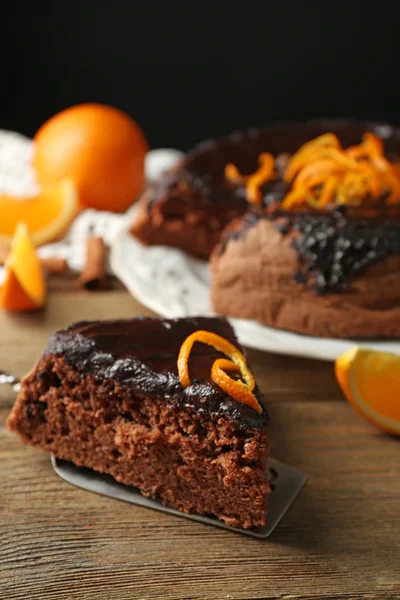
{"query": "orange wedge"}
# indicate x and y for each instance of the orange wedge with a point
(371, 383)
(24, 286)
(47, 215)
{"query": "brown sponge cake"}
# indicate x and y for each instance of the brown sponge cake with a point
(106, 395)
(178, 215)
(182, 211)
(328, 276)
(191, 205)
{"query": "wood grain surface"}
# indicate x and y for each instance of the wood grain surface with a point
(339, 540)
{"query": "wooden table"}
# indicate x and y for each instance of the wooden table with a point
(339, 540)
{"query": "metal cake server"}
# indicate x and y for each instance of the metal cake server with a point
(285, 481)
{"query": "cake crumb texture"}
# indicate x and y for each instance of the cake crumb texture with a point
(189, 460)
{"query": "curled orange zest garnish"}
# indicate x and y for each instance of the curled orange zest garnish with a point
(233, 175)
(322, 172)
(235, 388)
(372, 144)
(302, 159)
(253, 182)
(239, 390)
(328, 191)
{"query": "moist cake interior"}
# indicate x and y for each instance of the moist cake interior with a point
(107, 396)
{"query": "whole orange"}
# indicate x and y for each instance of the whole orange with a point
(100, 148)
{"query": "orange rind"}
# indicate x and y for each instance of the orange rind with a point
(24, 285)
(240, 390)
(233, 387)
(253, 182)
(370, 381)
(47, 215)
(322, 173)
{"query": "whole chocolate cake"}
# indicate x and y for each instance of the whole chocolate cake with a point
(315, 243)
(109, 396)
(319, 276)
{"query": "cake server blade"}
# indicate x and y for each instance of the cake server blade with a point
(286, 482)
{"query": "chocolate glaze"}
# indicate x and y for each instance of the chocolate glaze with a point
(141, 354)
(201, 172)
(331, 247)
(330, 250)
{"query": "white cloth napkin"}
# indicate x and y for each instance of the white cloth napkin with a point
(17, 178)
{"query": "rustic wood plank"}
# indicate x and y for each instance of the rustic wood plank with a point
(338, 541)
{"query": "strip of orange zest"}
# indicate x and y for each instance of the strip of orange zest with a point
(294, 197)
(373, 144)
(235, 388)
(357, 152)
(264, 173)
(254, 195)
(324, 165)
(237, 361)
(303, 155)
(328, 191)
(232, 174)
(338, 158)
(326, 140)
(220, 344)
(227, 365)
(322, 172)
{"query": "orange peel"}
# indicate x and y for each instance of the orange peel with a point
(234, 387)
(47, 215)
(370, 381)
(253, 182)
(321, 172)
(237, 389)
(24, 286)
(232, 174)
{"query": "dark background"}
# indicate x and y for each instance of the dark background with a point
(188, 71)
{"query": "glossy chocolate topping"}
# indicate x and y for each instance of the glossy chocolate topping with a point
(202, 170)
(141, 354)
(331, 247)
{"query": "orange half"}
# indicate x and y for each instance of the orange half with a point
(371, 382)
(46, 215)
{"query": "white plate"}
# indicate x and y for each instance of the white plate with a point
(174, 284)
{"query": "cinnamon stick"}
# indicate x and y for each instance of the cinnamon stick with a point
(94, 275)
(53, 264)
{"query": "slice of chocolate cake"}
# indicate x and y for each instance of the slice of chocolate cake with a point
(108, 395)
